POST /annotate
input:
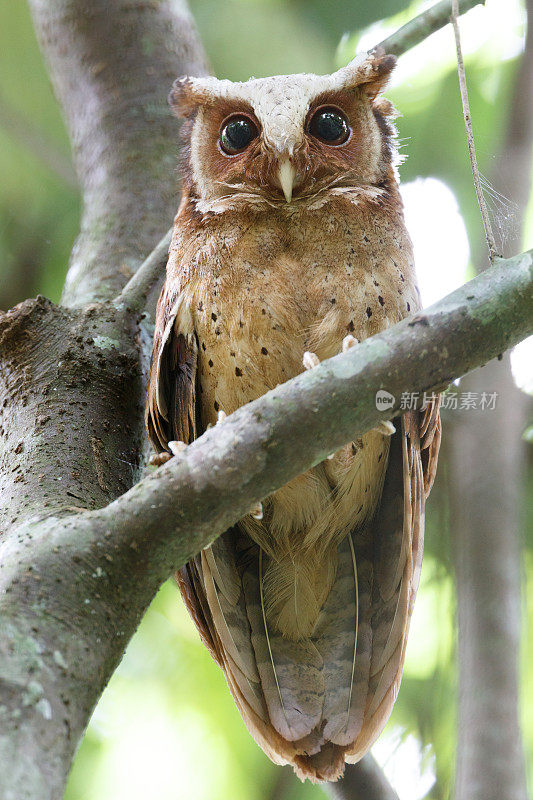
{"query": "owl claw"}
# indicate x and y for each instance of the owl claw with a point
(310, 360)
(176, 447)
(221, 416)
(256, 511)
(348, 342)
(157, 459)
(385, 427)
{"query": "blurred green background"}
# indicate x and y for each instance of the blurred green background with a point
(167, 708)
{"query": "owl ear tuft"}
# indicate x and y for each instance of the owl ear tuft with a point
(372, 73)
(183, 98)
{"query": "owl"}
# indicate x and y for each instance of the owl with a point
(289, 245)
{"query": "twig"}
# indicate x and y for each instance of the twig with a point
(137, 289)
(411, 34)
(489, 236)
(422, 26)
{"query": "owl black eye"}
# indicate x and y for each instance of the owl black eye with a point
(236, 135)
(330, 126)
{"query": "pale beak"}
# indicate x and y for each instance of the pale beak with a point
(286, 175)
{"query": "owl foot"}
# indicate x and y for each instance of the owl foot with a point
(157, 459)
(310, 360)
(221, 416)
(176, 447)
(256, 511)
(348, 342)
(386, 428)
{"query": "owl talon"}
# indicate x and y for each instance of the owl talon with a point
(221, 416)
(256, 511)
(385, 427)
(348, 342)
(157, 459)
(177, 447)
(310, 360)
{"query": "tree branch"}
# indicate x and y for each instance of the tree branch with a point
(112, 64)
(422, 26)
(73, 587)
(152, 270)
(362, 781)
(267, 443)
(408, 36)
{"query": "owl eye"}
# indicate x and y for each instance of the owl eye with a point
(236, 135)
(330, 126)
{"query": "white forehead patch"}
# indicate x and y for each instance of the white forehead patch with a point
(282, 101)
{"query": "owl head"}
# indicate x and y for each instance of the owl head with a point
(286, 138)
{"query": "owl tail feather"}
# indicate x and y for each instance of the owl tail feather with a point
(326, 765)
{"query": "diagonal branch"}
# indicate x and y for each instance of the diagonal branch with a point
(136, 291)
(266, 443)
(422, 26)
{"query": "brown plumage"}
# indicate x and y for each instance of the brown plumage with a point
(289, 238)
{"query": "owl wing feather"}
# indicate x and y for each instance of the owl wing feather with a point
(171, 403)
(317, 701)
(398, 533)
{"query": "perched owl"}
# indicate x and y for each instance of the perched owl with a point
(289, 243)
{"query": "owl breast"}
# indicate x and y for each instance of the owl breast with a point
(263, 294)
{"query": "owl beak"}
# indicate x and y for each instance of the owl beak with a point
(286, 175)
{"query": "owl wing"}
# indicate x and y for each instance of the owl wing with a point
(171, 403)
(398, 541)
